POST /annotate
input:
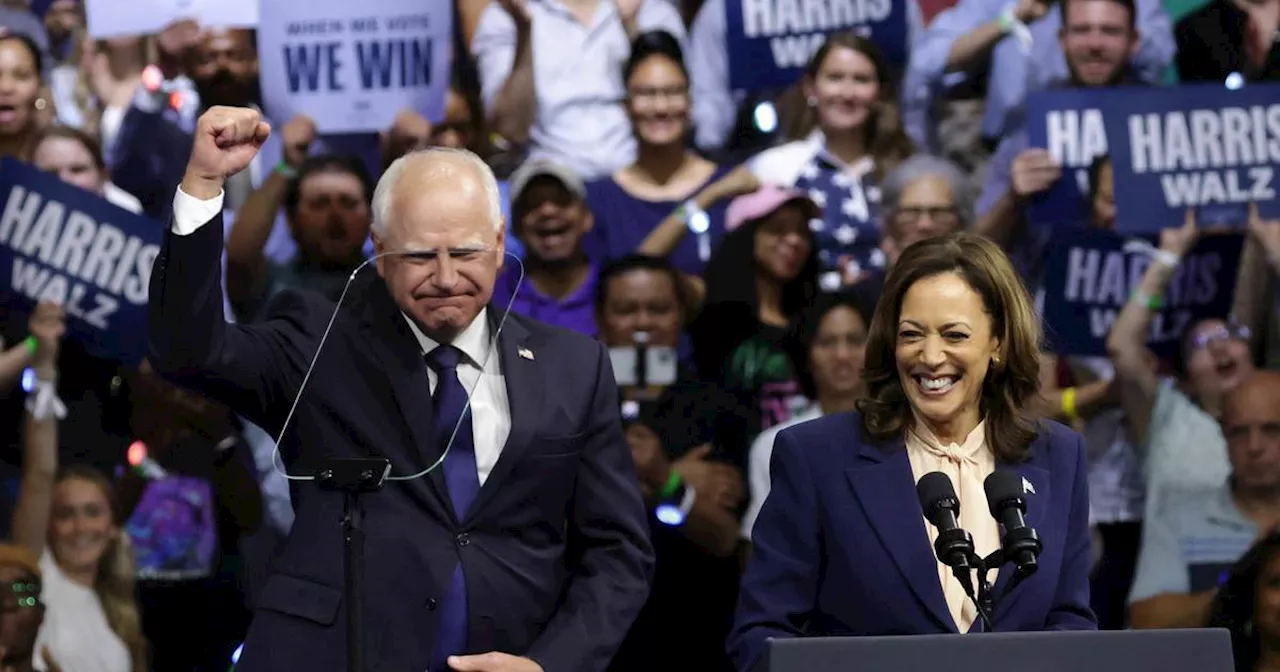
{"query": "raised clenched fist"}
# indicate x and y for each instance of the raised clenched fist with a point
(226, 140)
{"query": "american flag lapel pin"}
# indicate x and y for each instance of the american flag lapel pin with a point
(525, 353)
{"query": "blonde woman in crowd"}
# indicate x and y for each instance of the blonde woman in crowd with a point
(69, 520)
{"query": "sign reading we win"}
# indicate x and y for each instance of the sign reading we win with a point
(353, 66)
(1202, 147)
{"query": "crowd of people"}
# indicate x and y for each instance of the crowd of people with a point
(654, 209)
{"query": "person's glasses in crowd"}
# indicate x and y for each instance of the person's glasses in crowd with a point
(26, 591)
(940, 214)
(1226, 333)
(644, 95)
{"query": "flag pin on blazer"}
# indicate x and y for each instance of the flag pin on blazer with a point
(1027, 487)
(526, 353)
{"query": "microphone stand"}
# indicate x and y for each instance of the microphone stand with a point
(353, 476)
(957, 544)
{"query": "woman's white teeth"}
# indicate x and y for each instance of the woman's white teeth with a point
(936, 384)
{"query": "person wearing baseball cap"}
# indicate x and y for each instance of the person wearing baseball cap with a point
(763, 274)
(550, 217)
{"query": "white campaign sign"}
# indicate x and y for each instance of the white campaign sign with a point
(123, 18)
(352, 66)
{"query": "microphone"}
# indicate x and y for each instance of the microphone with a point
(1020, 542)
(954, 546)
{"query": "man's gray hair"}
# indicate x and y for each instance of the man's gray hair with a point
(921, 166)
(382, 194)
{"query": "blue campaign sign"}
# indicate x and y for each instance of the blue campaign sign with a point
(1069, 123)
(63, 244)
(1194, 146)
(1091, 273)
(770, 41)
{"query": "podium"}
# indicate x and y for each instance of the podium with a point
(1203, 650)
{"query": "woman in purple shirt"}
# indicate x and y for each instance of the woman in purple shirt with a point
(629, 205)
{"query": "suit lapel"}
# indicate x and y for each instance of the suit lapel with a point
(525, 390)
(885, 488)
(1035, 486)
(400, 356)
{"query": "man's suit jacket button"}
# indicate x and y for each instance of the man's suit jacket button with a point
(431, 604)
(463, 539)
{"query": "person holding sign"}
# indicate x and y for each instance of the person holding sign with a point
(528, 550)
(1098, 38)
(76, 157)
(840, 546)
(1177, 424)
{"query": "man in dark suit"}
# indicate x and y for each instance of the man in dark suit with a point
(527, 549)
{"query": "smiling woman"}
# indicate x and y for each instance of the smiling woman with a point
(954, 342)
(840, 546)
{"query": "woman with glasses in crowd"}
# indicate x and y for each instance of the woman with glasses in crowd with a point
(638, 208)
(1177, 424)
(71, 521)
(841, 546)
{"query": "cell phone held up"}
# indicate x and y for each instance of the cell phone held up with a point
(643, 365)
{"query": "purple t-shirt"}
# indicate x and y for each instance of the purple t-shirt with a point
(622, 222)
(576, 311)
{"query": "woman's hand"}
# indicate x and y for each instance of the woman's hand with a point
(1180, 240)
(47, 324)
(1266, 232)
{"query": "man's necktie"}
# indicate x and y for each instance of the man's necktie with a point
(463, 482)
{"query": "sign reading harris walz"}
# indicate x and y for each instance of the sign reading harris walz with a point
(1090, 274)
(1200, 146)
(63, 244)
(770, 41)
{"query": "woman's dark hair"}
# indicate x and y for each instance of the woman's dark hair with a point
(1010, 384)
(886, 139)
(641, 262)
(1233, 608)
(653, 43)
(87, 141)
(32, 48)
(805, 331)
(731, 310)
(327, 163)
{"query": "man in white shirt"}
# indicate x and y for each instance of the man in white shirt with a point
(511, 535)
